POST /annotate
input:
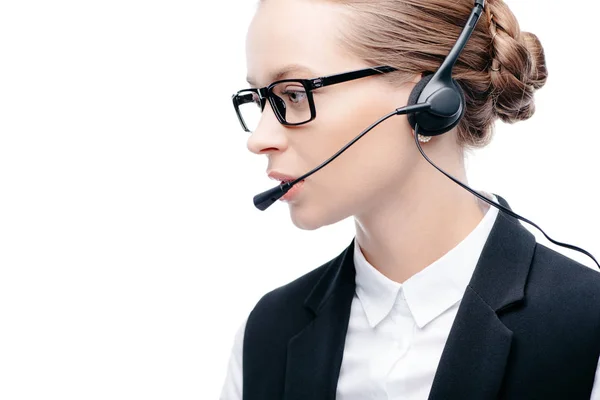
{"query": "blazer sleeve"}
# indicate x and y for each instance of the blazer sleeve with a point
(232, 387)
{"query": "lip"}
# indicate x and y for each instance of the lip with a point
(281, 177)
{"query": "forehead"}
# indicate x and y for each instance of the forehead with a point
(286, 33)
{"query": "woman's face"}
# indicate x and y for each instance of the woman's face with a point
(299, 38)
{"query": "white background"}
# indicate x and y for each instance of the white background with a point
(130, 250)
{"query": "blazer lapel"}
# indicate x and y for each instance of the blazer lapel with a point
(475, 355)
(315, 353)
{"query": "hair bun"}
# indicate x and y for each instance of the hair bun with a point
(518, 65)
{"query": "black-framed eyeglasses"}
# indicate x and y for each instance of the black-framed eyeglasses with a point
(291, 99)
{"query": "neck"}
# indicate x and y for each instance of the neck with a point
(408, 230)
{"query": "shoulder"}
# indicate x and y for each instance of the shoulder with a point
(282, 312)
(288, 300)
(564, 285)
(555, 269)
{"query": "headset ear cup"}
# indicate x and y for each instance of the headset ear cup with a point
(414, 96)
(429, 123)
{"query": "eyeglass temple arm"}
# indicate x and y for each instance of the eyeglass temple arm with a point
(348, 76)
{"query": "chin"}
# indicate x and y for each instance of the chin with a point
(310, 217)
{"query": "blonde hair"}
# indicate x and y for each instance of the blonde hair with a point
(499, 69)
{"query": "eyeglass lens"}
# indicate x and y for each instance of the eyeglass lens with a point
(290, 99)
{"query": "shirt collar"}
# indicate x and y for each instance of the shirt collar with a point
(433, 290)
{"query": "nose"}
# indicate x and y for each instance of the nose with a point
(269, 135)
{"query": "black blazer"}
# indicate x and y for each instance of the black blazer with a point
(528, 327)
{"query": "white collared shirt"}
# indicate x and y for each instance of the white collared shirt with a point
(397, 331)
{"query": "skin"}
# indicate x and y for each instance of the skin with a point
(407, 214)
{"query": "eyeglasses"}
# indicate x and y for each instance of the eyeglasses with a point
(291, 99)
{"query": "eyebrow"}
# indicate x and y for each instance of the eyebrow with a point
(281, 73)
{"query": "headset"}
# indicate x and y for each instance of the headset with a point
(435, 106)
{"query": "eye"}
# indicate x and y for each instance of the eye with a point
(295, 94)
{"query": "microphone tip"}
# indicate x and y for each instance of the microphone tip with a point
(264, 200)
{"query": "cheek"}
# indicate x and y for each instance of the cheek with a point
(377, 152)
(376, 163)
(339, 120)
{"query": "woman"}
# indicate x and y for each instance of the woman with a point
(439, 295)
